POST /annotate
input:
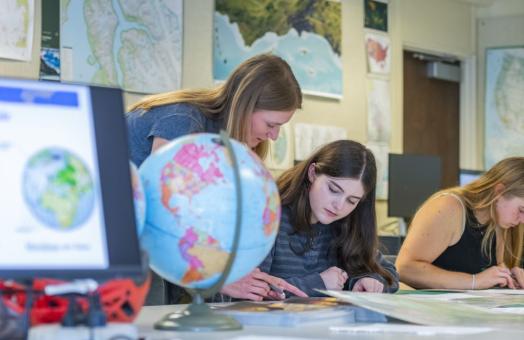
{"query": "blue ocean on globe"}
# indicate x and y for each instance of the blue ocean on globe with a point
(139, 199)
(58, 188)
(191, 210)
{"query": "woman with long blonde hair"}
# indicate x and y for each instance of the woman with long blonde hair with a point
(469, 237)
(258, 97)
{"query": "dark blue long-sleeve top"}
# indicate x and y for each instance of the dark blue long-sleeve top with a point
(300, 262)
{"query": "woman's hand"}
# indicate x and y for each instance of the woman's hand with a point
(494, 276)
(334, 278)
(278, 283)
(517, 274)
(255, 286)
(368, 284)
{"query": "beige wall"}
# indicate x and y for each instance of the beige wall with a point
(442, 26)
(437, 26)
(501, 8)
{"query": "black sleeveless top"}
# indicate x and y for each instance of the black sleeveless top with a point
(466, 255)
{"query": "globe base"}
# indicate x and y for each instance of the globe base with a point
(198, 317)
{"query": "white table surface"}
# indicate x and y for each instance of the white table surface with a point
(150, 314)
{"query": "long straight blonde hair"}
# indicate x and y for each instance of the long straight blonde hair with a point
(263, 82)
(480, 195)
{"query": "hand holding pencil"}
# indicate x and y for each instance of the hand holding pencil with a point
(258, 285)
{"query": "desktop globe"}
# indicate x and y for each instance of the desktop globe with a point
(191, 206)
(191, 199)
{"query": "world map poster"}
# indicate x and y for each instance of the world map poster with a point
(305, 33)
(504, 104)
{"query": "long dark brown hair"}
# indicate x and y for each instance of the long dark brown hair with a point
(356, 238)
(263, 82)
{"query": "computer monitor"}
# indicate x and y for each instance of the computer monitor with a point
(66, 204)
(411, 180)
(466, 176)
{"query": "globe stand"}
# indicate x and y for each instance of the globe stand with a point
(198, 317)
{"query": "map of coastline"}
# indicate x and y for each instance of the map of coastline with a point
(133, 44)
(307, 34)
(504, 104)
(255, 18)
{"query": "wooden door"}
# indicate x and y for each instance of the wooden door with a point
(431, 116)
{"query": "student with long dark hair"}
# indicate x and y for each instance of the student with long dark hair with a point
(328, 233)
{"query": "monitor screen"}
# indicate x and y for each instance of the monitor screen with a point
(467, 176)
(411, 180)
(66, 198)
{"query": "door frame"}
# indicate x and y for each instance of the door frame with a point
(470, 146)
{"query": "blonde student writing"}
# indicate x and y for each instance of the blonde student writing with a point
(469, 237)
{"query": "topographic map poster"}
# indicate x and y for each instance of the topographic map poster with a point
(16, 29)
(132, 44)
(306, 33)
(504, 104)
(378, 52)
(379, 110)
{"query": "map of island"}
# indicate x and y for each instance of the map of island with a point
(256, 18)
(504, 104)
(307, 34)
(133, 44)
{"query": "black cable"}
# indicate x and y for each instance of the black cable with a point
(10, 322)
(95, 315)
(70, 318)
(4, 315)
(14, 325)
(26, 318)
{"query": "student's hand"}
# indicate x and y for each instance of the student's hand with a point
(334, 278)
(255, 286)
(279, 283)
(368, 284)
(518, 277)
(249, 287)
(494, 276)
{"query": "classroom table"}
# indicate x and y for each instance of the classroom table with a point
(150, 314)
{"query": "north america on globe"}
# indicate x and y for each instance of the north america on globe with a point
(192, 200)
